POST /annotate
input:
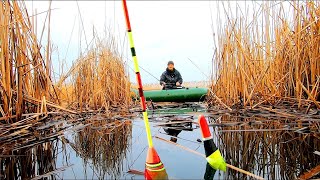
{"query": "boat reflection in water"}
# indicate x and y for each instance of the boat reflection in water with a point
(173, 130)
(173, 133)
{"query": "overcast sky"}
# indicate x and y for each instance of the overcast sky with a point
(162, 31)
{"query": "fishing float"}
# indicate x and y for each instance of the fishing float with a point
(213, 155)
(154, 168)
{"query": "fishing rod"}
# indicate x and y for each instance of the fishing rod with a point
(138, 76)
(154, 169)
(199, 68)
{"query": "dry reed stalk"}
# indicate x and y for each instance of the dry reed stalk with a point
(23, 70)
(266, 56)
(99, 80)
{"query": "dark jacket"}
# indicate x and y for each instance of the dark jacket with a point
(171, 77)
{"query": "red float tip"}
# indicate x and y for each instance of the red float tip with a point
(152, 156)
(154, 167)
(204, 127)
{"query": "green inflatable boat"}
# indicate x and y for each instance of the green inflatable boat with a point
(194, 94)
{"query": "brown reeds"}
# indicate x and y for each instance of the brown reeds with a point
(99, 80)
(28, 120)
(270, 56)
(24, 72)
(30, 102)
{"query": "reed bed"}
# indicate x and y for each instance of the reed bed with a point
(25, 72)
(28, 95)
(270, 57)
(274, 154)
(99, 80)
(34, 111)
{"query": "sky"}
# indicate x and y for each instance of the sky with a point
(162, 30)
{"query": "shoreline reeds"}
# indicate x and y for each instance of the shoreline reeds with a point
(24, 70)
(99, 81)
(269, 57)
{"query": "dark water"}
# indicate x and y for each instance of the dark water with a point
(98, 152)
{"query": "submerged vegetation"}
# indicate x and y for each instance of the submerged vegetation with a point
(270, 56)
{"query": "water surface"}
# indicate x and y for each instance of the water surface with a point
(109, 151)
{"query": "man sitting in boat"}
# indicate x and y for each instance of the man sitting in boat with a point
(171, 78)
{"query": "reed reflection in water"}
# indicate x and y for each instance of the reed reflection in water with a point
(35, 162)
(104, 144)
(273, 153)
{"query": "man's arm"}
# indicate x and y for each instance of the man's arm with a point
(180, 80)
(162, 79)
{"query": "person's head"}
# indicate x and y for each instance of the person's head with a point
(170, 65)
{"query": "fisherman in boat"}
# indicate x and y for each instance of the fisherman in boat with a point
(171, 78)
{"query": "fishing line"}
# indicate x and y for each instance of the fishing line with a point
(139, 135)
(138, 157)
(197, 147)
(198, 143)
(142, 69)
(198, 68)
(42, 12)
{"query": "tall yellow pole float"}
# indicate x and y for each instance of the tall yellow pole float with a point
(154, 169)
